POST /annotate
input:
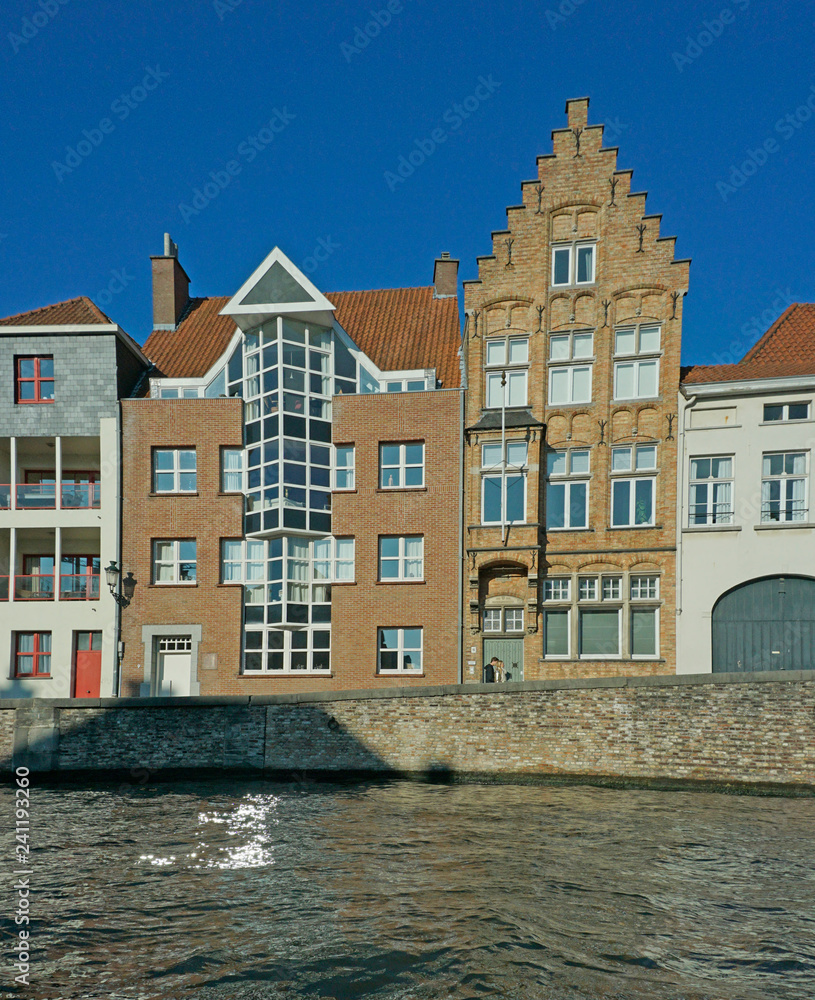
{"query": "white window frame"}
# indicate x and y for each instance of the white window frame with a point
(349, 470)
(488, 617)
(785, 411)
(712, 513)
(558, 609)
(176, 562)
(581, 611)
(570, 369)
(505, 471)
(400, 650)
(570, 356)
(786, 500)
(224, 472)
(636, 364)
(568, 479)
(403, 465)
(514, 376)
(340, 565)
(638, 581)
(514, 612)
(176, 471)
(632, 501)
(264, 650)
(634, 465)
(505, 362)
(401, 559)
(643, 607)
(637, 331)
(549, 589)
(574, 248)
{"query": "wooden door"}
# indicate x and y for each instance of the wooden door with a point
(87, 664)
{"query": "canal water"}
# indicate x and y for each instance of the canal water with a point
(253, 890)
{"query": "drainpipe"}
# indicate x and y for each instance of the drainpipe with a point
(681, 490)
(117, 663)
(460, 657)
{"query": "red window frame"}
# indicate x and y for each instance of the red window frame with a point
(37, 379)
(37, 655)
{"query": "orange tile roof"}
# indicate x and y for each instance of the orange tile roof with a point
(195, 345)
(74, 312)
(398, 328)
(403, 328)
(786, 349)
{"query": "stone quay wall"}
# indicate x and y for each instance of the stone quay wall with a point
(727, 729)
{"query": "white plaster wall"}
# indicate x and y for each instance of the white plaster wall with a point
(713, 560)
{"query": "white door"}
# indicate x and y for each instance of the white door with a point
(174, 666)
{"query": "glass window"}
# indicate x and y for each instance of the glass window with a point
(506, 388)
(612, 588)
(573, 264)
(344, 467)
(401, 466)
(571, 346)
(569, 384)
(567, 501)
(632, 502)
(401, 557)
(786, 411)
(556, 589)
(33, 654)
(492, 620)
(503, 485)
(636, 379)
(174, 561)
(232, 555)
(644, 588)
(587, 588)
(784, 487)
(231, 470)
(556, 632)
(643, 632)
(514, 620)
(174, 470)
(637, 340)
(400, 650)
(599, 632)
(711, 490)
(35, 384)
(505, 351)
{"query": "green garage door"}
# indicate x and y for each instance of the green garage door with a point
(766, 624)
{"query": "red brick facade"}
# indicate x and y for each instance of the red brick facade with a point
(206, 515)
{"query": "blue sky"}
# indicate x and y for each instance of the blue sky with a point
(164, 93)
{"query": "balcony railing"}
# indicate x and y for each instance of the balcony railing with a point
(79, 587)
(40, 587)
(43, 496)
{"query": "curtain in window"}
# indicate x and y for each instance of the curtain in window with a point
(232, 458)
(413, 558)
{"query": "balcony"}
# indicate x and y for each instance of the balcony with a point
(43, 496)
(40, 587)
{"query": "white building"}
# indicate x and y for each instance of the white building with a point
(63, 369)
(746, 549)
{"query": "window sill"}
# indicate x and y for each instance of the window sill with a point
(172, 586)
(343, 583)
(400, 583)
(566, 531)
(175, 493)
(32, 677)
(550, 405)
(354, 490)
(35, 402)
(220, 493)
(228, 586)
(710, 527)
(401, 489)
(594, 659)
(783, 525)
(256, 675)
(635, 527)
(399, 673)
(784, 423)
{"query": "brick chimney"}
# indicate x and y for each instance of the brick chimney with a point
(171, 287)
(445, 277)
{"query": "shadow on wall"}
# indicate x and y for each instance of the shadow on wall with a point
(141, 740)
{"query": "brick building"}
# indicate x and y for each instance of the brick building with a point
(571, 349)
(323, 415)
(63, 369)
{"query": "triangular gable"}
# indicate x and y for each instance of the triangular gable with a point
(278, 287)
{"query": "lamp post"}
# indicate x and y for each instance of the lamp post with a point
(128, 585)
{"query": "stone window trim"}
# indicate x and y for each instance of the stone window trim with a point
(151, 634)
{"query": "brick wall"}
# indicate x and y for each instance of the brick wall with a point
(756, 729)
(579, 194)
(207, 516)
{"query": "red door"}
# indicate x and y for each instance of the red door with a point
(88, 665)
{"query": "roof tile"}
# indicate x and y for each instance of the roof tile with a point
(73, 312)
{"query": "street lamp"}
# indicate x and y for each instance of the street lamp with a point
(113, 575)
